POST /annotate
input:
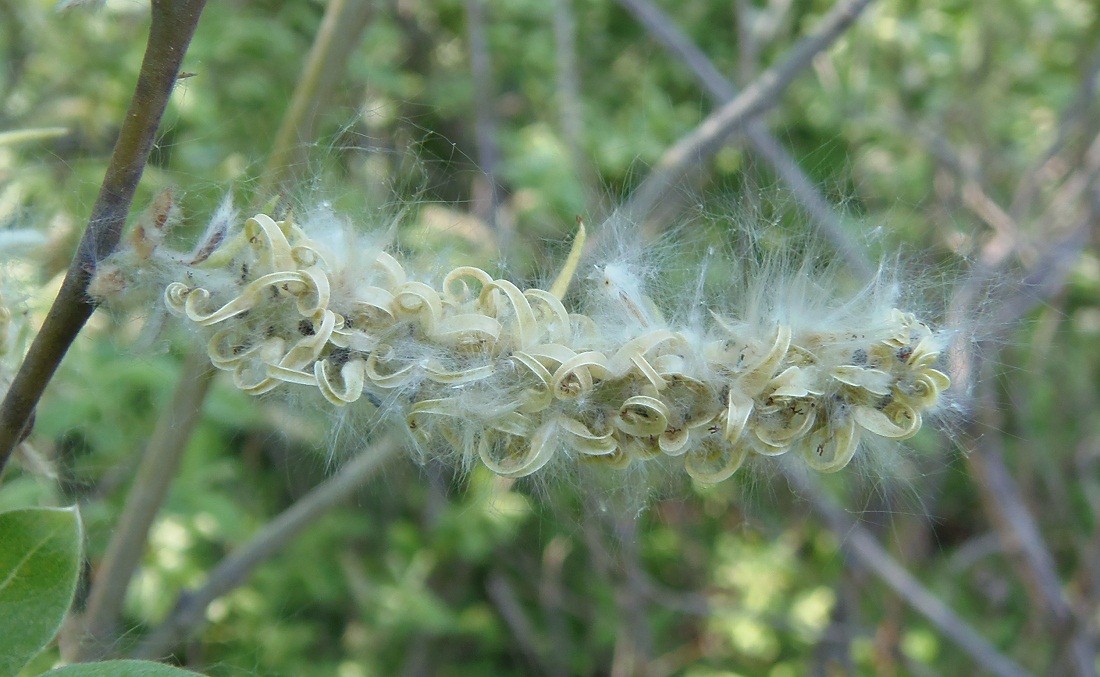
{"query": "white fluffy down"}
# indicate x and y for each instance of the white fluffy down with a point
(623, 370)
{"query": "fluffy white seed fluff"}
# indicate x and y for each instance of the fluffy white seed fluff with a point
(615, 372)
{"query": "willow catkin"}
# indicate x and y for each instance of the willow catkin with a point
(515, 378)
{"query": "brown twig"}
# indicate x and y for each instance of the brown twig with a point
(1007, 235)
(1020, 534)
(863, 546)
(1075, 117)
(1066, 222)
(173, 23)
(760, 95)
(721, 90)
(344, 20)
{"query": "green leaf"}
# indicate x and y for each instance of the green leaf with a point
(119, 669)
(39, 562)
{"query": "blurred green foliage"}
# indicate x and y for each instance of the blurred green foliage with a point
(433, 573)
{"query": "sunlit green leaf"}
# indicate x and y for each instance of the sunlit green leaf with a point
(39, 562)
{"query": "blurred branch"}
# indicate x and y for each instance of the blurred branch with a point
(503, 596)
(721, 90)
(551, 597)
(863, 546)
(99, 625)
(634, 643)
(172, 25)
(343, 23)
(833, 650)
(569, 90)
(14, 63)
(763, 93)
(1066, 224)
(1047, 277)
(190, 608)
(748, 43)
(1007, 238)
(663, 28)
(485, 120)
(1076, 117)
(1019, 532)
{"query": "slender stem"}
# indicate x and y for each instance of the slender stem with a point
(569, 88)
(1076, 118)
(1020, 533)
(503, 596)
(343, 23)
(154, 476)
(1067, 222)
(173, 23)
(760, 95)
(863, 546)
(663, 28)
(485, 119)
(234, 570)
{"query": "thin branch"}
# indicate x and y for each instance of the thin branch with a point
(863, 546)
(172, 25)
(748, 42)
(190, 608)
(1007, 234)
(485, 120)
(721, 90)
(632, 603)
(1076, 116)
(551, 596)
(343, 23)
(663, 28)
(503, 596)
(1019, 532)
(1047, 278)
(760, 95)
(1067, 224)
(569, 89)
(158, 467)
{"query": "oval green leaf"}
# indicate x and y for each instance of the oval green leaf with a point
(39, 562)
(119, 669)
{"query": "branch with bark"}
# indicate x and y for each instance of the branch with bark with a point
(173, 24)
